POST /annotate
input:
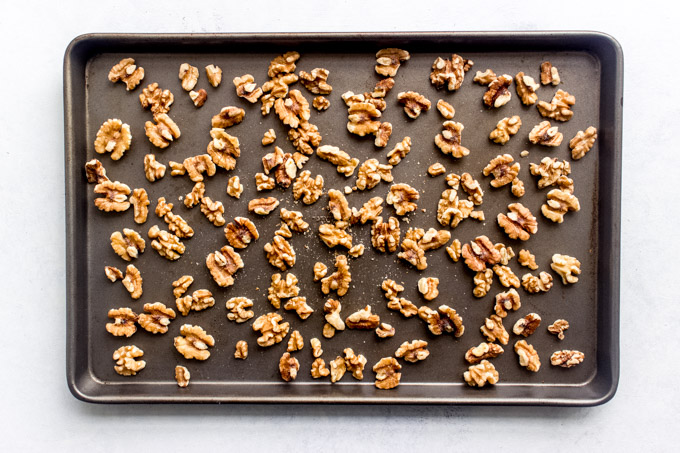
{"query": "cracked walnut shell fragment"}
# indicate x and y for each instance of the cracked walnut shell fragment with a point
(113, 137)
(223, 264)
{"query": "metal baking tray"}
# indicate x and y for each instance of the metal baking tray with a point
(591, 68)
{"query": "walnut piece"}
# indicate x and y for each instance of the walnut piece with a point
(239, 309)
(454, 250)
(340, 279)
(228, 116)
(527, 259)
(197, 165)
(288, 367)
(95, 172)
(354, 363)
(283, 64)
(294, 220)
(271, 329)
(193, 342)
(280, 253)
(188, 75)
(113, 273)
(153, 169)
(549, 74)
(305, 138)
(485, 78)
(316, 81)
(166, 244)
(182, 376)
(308, 188)
(369, 211)
(413, 352)
(391, 288)
(127, 245)
(363, 319)
(127, 72)
(320, 271)
(559, 108)
(181, 285)
(528, 357)
(558, 328)
(482, 352)
(223, 264)
(176, 224)
(343, 162)
(338, 369)
(527, 326)
(518, 223)
(472, 187)
(241, 350)
(263, 206)
(533, 284)
(247, 89)
(526, 88)
(506, 301)
(234, 187)
(293, 109)
(295, 342)
(481, 374)
(126, 363)
(505, 128)
(363, 119)
(321, 103)
(385, 235)
(558, 204)
(275, 88)
(414, 103)
(156, 318)
(370, 174)
(356, 251)
(403, 197)
(214, 75)
(582, 142)
(403, 306)
(332, 309)
(446, 109)
(383, 134)
(123, 322)
(177, 169)
(269, 137)
(199, 300)
(213, 210)
(223, 149)
(493, 330)
(198, 97)
(387, 373)
(163, 132)
(567, 358)
(436, 169)
(400, 151)
(156, 99)
(299, 305)
(482, 281)
(444, 320)
(113, 137)
(479, 253)
(338, 205)
(384, 330)
(451, 210)
(567, 267)
(264, 182)
(502, 170)
(388, 61)
(428, 288)
(544, 134)
(449, 140)
(240, 232)
(319, 369)
(351, 99)
(497, 95)
(449, 72)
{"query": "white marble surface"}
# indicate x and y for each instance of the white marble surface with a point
(36, 409)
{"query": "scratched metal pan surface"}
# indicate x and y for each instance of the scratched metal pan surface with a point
(590, 65)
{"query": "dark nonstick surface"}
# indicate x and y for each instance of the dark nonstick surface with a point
(590, 66)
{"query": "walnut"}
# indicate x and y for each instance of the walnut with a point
(127, 72)
(449, 72)
(508, 300)
(558, 328)
(351, 99)
(528, 357)
(156, 318)
(153, 169)
(444, 320)
(123, 324)
(332, 309)
(113, 273)
(363, 319)
(526, 88)
(293, 109)
(387, 374)
(482, 281)
(125, 356)
(436, 169)
(453, 181)
(213, 210)
(519, 223)
(197, 165)
(507, 253)
(383, 134)
(319, 369)
(283, 64)
(403, 306)
(240, 232)
(305, 138)
(200, 300)
(340, 279)
(299, 304)
(354, 363)
(193, 342)
(264, 182)
(271, 329)
(567, 267)
(391, 288)
(451, 210)
(343, 162)
(582, 142)
(402, 197)
(479, 253)
(280, 253)
(338, 206)
(559, 203)
(446, 109)
(505, 128)
(527, 259)
(566, 358)
(223, 264)
(414, 103)
(482, 352)
(533, 284)
(388, 61)
(234, 187)
(177, 169)
(449, 140)
(527, 326)
(214, 75)
(400, 151)
(176, 224)
(188, 75)
(363, 119)
(497, 95)
(241, 350)
(228, 116)
(247, 89)
(239, 309)
(316, 82)
(223, 149)
(113, 137)
(181, 285)
(320, 271)
(454, 250)
(269, 137)
(321, 103)
(369, 211)
(276, 88)
(95, 172)
(371, 172)
(414, 351)
(472, 187)
(182, 376)
(263, 206)
(356, 251)
(198, 97)
(428, 288)
(549, 74)
(485, 78)
(385, 235)
(384, 330)
(295, 342)
(163, 132)
(544, 134)
(502, 170)
(127, 245)
(493, 330)
(517, 187)
(288, 367)
(166, 244)
(559, 108)
(338, 368)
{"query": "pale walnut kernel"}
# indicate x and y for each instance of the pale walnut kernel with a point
(444, 320)
(527, 326)
(198, 97)
(369, 211)
(163, 132)
(188, 75)
(335, 235)
(95, 172)
(294, 220)
(123, 322)
(239, 309)
(181, 285)
(544, 134)
(269, 137)
(414, 103)
(295, 342)
(363, 319)
(449, 73)
(497, 95)
(481, 374)
(316, 81)
(213, 211)
(271, 329)
(193, 342)
(384, 330)
(247, 89)
(264, 182)
(518, 223)
(351, 99)
(177, 169)
(338, 368)
(288, 367)
(315, 343)
(166, 244)
(400, 151)
(453, 181)
(472, 187)
(507, 253)
(391, 288)
(403, 306)
(228, 116)
(493, 330)
(454, 250)
(526, 88)
(182, 376)
(176, 224)
(382, 87)
(428, 288)
(479, 253)
(533, 284)
(413, 253)
(383, 134)
(527, 259)
(332, 309)
(517, 188)
(293, 109)
(370, 174)
(582, 142)
(388, 61)
(305, 138)
(446, 109)
(413, 352)
(113, 273)
(241, 350)
(284, 231)
(197, 165)
(403, 197)
(214, 75)
(558, 204)
(482, 281)
(549, 74)
(528, 357)
(387, 374)
(363, 119)
(223, 149)
(449, 140)
(354, 363)
(299, 305)
(283, 64)
(340, 279)
(113, 137)
(275, 88)
(223, 264)
(127, 72)
(567, 358)
(126, 363)
(234, 187)
(550, 170)
(280, 253)
(263, 206)
(308, 188)
(344, 163)
(567, 267)
(506, 301)
(153, 169)
(156, 318)
(127, 245)
(140, 203)
(558, 328)
(451, 210)
(319, 369)
(201, 300)
(559, 108)
(385, 235)
(485, 78)
(320, 271)
(505, 128)
(436, 169)
(356, 251)
(482, 352)
(321, 103)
